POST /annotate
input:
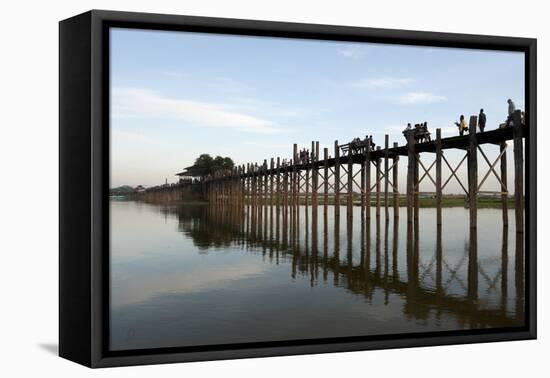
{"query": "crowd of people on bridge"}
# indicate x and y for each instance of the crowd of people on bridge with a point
(422, 134)
(482, 119)
(304, 156)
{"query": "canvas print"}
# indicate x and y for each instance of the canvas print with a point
(278, 189)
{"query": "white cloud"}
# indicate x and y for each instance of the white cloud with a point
(383, 82)
(415, 98)
(139, 102)
(351, 52)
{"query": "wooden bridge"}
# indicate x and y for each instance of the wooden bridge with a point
(333, 179)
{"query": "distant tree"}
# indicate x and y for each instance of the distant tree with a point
(205, 165)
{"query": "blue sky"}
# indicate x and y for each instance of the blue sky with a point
(175, 95)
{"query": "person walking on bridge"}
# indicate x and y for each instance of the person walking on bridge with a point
(461, 125)
(511, 107)
(482, 120)
(511, 110)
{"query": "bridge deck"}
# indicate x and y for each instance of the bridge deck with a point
(457, 142)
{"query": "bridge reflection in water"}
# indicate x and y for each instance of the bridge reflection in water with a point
(461, 277)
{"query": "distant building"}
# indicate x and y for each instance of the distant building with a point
(185, 177)
(139, 189)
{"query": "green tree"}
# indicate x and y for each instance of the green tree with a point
(206, 164)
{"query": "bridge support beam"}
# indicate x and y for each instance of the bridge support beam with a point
(504, 183)
(395, 184)
(518, 168)
(386, 177)
(378, 179)
(410, 178)
(325, 181)
(314, 184)
(416, 199)
(336, 180)
(472, 172)
(363, 178)
(438, 190)
(350, 186)
(368, 181)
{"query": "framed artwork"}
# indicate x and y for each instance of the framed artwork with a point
(235, 188)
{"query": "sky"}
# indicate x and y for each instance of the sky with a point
(176, 95)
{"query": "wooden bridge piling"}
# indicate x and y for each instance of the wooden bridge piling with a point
(350, 187)
(271, 183)
(294, 191)
(315, 186)
(504, 183)
(386, 176)
(266, 193)
(368, 163)
(518, 168)
(363, 186)
(315, 178)
(395, 180)
(325, 181)
(378, 179)
(410, 178)
(438, 178)
(472, 172)
(336, 180)
(416, 194)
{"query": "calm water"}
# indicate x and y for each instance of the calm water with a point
(194, 275)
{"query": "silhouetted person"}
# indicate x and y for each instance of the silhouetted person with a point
(482, 120)
(511, 110)
(427, 135)
(372, 144)
(511, 107)
(461, 125)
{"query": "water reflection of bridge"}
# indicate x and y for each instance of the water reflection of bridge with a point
(314, 251)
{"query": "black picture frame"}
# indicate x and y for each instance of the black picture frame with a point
(84, 179)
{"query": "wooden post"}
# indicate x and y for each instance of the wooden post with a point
(285, 197)
(315, 182)
(416, 198)
(472, 171)
(363, 181)
(325, 182)
(395, 183)
(314, 201)
(368, 181)
(271, 182)
(265, 198)
(285, 206)
(518, 168)
(504, 183)
(410, 177)
(438, 191)
(277, 199)
(336, 179)
(278, 183)
(294, 195)
(386, 176)
(350, 186)
(247, 183)
(265, 192)
(378, 178)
